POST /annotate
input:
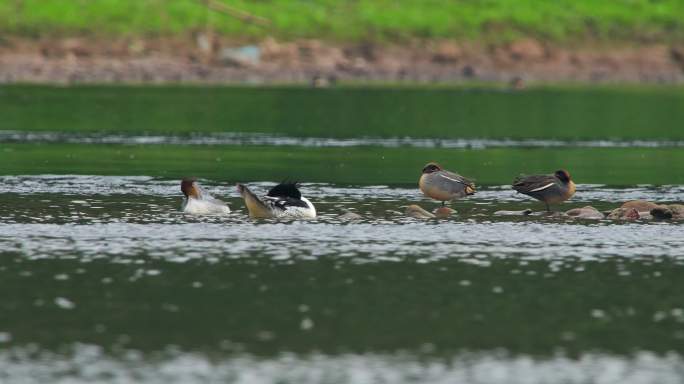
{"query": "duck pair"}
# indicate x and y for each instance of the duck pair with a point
(282, 201)
(442, 185)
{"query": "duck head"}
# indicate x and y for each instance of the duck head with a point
(432, 167)
(563, 175)
(190, 188)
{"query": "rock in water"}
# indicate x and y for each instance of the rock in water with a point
(661, 212)
(677, 211)
(350, 216)
(443, 212)
(417, 212)
(639, 205)
(587, 212)
(624, 214)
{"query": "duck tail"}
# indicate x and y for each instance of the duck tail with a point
(470, 189)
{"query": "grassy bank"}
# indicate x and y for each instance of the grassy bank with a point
(360, 165)
(562, 20)
(544, 113)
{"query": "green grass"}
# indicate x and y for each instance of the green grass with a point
(561, 20)
(359, 165)
(543, 113)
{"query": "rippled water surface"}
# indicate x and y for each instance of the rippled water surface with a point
(105, 280)
(245, 138)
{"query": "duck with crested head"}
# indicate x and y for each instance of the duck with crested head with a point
(199, 202)
(443, 185)
(282, 201)
(551, 189)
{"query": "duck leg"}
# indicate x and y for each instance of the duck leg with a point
(548, 209)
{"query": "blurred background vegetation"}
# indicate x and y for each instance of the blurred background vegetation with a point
(567, 21)
(568, 70)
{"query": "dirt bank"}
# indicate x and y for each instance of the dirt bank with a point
(205, 60)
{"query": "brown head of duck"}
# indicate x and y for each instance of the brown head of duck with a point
(564, 177)
(189, 188)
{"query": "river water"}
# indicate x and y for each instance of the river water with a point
(105, 280)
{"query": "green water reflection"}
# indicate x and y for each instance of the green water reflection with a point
(333, 305)
(358, 165)
(556, 112)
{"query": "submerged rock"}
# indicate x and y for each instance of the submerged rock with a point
(667, 212)
(443, 212)
(639, 205)
(662, 212)
(417, 212)
(624, 214)
(524, 212)
(548, 214)
(587, 212)
(649, 210)
(350, 216)
(677, 211)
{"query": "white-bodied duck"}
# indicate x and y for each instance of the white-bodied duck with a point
(199, 202)
(282, 201)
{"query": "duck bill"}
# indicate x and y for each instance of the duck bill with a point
(255, 206)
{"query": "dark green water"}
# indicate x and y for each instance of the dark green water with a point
(532, 307)
(558, 113)
(356, 165)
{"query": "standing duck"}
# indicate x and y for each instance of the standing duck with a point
(282, 201)
(199, 202)
(551, 189)
(443, 185)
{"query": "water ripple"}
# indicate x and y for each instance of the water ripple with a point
(124, 217)
(422, 242)
(87, 364)
(146, 185)
(243, 138)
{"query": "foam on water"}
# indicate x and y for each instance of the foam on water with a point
(88, 364)
(78, 250)
(98, 216)
(145, 185)
(241, 138)
(368, 242)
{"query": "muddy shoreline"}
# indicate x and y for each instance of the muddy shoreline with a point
(208, 60)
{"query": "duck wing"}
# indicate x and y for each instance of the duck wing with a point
(284, 202)
(206, 196)
(285, 190)
(457, 182)
(533, 183)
